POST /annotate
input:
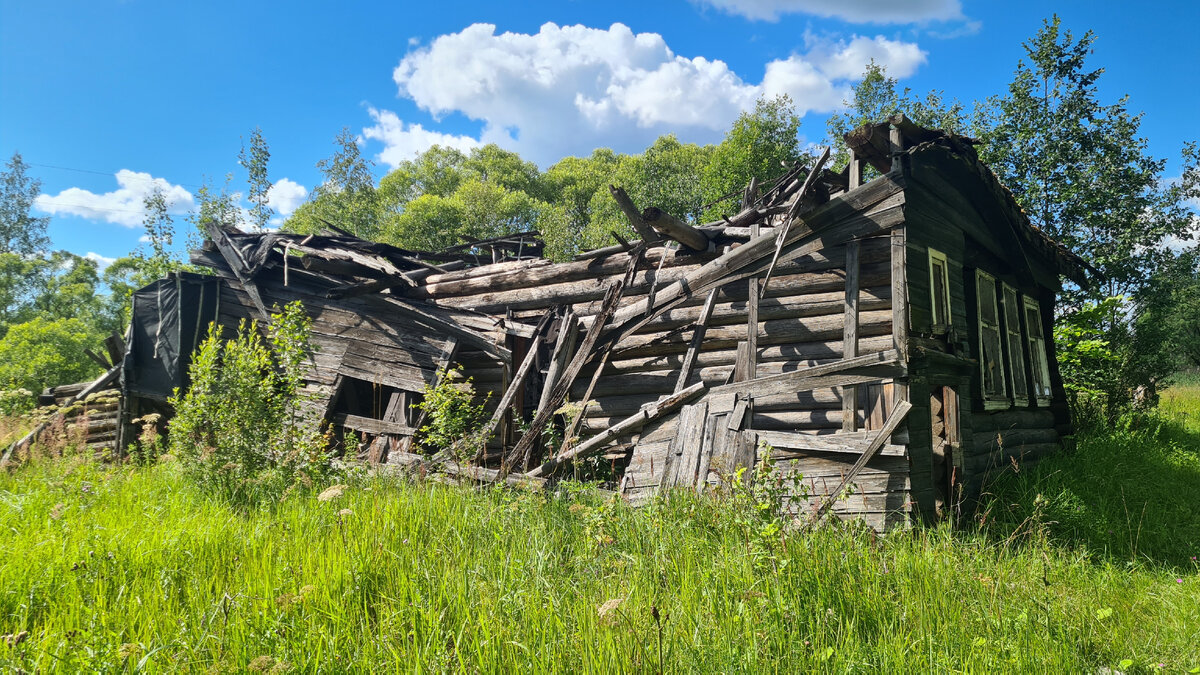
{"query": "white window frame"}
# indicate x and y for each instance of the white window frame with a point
(1039, 368)
(995, 401)
(936, 255)
(1014, 343)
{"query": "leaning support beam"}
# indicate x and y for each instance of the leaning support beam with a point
(518, 382)
(689, 360)
(674, 228)
(648, 413)
(627, 207)
(782, 236)
(889, 427)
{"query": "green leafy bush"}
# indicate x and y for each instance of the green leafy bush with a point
(454, 416)
(44, 353)
(238, 430)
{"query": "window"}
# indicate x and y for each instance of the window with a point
(939, 291)
(991, 357)
(1038, 364)
(1016, 349)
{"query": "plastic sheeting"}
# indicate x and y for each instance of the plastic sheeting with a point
(169, 318)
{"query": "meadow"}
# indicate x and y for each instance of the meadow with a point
(1087, 562)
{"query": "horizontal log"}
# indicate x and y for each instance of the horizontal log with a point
(800, 354)
(990, 441)
(674, 228)
(373, 426)
(1006, 420)
(848, 443)
(774, 332)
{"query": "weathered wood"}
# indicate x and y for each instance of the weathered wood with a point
(850, 334)
(237, 264)
(880, 439)
(627, 207)
(99, 360)
(882, 364)
(443, 366)
(685, 371)
(647, 414)
(752, 299)
(564, 347)
(559, 393)
(782, 236)
(674, 228)
(847, 442)
(685, 445)
(115, 346)
(516, 385)
(373, 426)
(102, 382)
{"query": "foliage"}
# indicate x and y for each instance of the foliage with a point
(20, 232)
(454, 416)
(1079, 167)
(876, 99)
(762, 144)
(1090, 363)
(255, 161)
(46, 352)
(238, 431)
(346, 198)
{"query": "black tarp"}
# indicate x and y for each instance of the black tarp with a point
(169, 318)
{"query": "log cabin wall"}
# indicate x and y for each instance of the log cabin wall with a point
(801, 322)
(960, 437)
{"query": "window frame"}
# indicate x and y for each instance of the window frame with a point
(1039, 376)
(991, 401)
(936, 255)
(1015, 343)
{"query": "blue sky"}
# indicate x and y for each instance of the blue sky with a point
(107, 98)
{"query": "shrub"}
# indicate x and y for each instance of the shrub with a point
(237, 431)
(454, 416)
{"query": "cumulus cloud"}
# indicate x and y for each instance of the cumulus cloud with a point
(568, 89)
(100, 260)
(123, 206)
(857, 11)
(285, 196)
(402, 142)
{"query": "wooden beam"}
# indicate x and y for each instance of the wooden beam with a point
(559, 393)
(115, 346)
(627, 207)
(868, 364)
(97, 358)
(689, 360)
(781, 237)
(648, 413)
(890, 426)
(435, 318)
(853, 442)
(444, 361)
(517, 383)
(237, 264)
(568, 334)
(752, 297)
(371, 425)
(850, 334)
(674, 228)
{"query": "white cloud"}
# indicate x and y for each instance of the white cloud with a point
(285, 196)
(100, 260)
(857, 11)
(565, 90)
(402, 142)
(122, 206)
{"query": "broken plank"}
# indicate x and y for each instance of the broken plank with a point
(647, 414)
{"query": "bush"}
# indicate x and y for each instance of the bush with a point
(237, 431)
(454, 417)
(43, 353)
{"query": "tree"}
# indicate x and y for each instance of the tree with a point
(572, 185)
(20, 232)
(876, 98)
(214, 205)
(46, 352)
(347, 198)
(1079, 167)
(255, 161)
(762, 144)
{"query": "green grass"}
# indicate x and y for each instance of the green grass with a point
(120, 568)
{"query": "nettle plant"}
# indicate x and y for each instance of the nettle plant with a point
(238, 431)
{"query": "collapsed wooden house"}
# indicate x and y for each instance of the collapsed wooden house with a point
(888, 341)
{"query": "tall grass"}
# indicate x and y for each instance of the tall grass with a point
(1086, 563)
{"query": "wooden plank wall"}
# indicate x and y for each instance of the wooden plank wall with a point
(801, 322)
